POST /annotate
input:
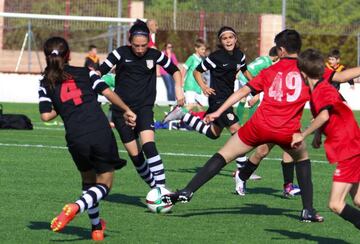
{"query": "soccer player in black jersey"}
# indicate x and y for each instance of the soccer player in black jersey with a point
(224, 65)
(135, 83)
(71, 92)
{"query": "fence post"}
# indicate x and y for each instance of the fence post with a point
(110, 38)
(29, 46)
(358, 49)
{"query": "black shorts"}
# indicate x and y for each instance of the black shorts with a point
(96, 151)
(226, 119)
(144, 121)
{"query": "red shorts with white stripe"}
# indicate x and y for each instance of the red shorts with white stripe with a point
(348, 171)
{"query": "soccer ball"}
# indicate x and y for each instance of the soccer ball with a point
(153, 200)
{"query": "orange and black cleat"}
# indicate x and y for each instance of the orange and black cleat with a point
(98, 235)
(67, 214)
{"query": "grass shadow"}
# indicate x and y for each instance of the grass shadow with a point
(125, 199)
(81, 233)
(250, 209)
(293, 235)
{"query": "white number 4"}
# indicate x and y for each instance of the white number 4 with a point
(293, 82)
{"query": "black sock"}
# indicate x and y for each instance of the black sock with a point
(303, 175)
(288, 172)
(247, 170)
(240, 161)
(208, 171)
(351, 214)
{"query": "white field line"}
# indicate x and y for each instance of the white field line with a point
(123, 151)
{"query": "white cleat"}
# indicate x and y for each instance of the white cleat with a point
(240, 186)
(176, 114)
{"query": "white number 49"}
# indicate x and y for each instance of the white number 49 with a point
(293, 82)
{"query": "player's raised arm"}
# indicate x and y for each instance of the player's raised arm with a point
(112, 59)
(346, 75)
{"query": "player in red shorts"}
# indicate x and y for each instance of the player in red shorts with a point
(273, 123)
(337, 122)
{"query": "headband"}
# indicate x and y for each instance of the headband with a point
(227, 31)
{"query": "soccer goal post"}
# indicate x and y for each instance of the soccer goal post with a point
(80, 31)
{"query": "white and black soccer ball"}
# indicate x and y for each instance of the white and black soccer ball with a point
(154, 202)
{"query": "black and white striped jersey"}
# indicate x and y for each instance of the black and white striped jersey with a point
(223, 68)
(135, 80)
(75, 100)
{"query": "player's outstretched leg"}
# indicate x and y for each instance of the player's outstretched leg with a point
(232, 148)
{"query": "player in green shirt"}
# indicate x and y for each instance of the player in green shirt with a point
(254, 68)
(110, 81)
(191, 88)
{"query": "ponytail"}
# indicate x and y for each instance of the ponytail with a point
(56, 51)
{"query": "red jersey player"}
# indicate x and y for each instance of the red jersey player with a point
(274, 122)
(337, 122)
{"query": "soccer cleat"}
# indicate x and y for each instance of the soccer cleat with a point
(98, 235)
(291, 190)
(310, 216)
(67, 214)
(240, 186)
(176, 114)
(183, 196)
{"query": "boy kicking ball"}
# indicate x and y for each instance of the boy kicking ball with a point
(337, 122)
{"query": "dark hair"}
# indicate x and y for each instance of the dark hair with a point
(290, 40)
(273, 52)
(92, 47)
(221, 31)
(311, 62)
(56, 50)
(199, 42)
(139, 28)
(334, 53)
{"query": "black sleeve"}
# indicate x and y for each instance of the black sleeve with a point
(45, 103)
(112, 59)
(327, 107)
(98, 84)
(207, 64)
(88, 63)
(243, 66)
(166, 63)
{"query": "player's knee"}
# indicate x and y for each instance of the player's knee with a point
(336, 206)
(261, 152)
(356, 201)
(211, 134)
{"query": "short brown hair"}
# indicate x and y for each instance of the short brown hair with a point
(199, 42)
(311, 62)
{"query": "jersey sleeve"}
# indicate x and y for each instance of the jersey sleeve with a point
(188, 63)
(326, 99)
(207, 64)
(166, 63)
(243, 66)
(257, 84)
(45, 103)
(112, 59)
(98, 84)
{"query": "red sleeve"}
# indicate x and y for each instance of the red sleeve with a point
(325, 98)
(328, 74)
(257, 83)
